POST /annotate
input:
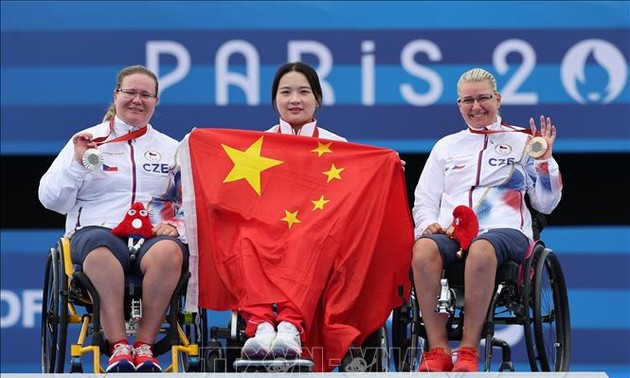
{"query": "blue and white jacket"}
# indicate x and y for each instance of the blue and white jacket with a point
(138, 170)
(490, 173)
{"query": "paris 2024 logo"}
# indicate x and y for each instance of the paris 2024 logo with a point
(594, 71)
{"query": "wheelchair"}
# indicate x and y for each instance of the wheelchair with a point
(223, 353)
(69, 298)
(532, 295)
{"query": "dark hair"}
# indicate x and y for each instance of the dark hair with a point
(303, 68)
(130, 70)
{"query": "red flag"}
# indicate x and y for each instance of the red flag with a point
(324, 224)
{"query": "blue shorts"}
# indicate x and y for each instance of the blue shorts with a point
(89, 238)
(508, 243)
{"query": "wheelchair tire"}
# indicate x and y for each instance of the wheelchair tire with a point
(528, 311)
(402, 326)
(54, 324)
(233, 345)
(371, 357)
(552, 328)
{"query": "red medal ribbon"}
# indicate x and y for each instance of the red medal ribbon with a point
(315, 131)
(486, 131)
(132, 135)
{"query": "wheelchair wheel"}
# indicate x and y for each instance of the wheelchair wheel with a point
(214, 355)
(234, 343)
(402, 336)
(527, 293)
(551, 316)
(54, 324)
(372, 356)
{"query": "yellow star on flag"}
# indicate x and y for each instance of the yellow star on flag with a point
(322, 148)
(333, 173)
(291, 218)
(248, 164)
(319, 204)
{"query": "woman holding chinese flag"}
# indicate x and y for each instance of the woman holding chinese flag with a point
(296, 94)
(312, 231)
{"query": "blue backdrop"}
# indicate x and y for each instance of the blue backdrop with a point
(389, 72)
(389, 68)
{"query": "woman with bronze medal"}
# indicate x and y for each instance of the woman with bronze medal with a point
(104, 173)
(489, 168)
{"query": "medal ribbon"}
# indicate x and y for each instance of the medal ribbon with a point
(536, 147)
(132, 135)
(486, 131)
(315, 131)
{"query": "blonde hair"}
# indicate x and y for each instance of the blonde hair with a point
(130, 70)
(477, 75)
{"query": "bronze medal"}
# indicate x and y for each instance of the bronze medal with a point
(536, 147)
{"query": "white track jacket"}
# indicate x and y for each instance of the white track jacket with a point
(490, 173)
(142, 169)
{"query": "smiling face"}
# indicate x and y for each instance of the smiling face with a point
(136, 110)
(295, 100)
(478, 103)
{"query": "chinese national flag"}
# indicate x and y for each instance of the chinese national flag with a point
(324, 224)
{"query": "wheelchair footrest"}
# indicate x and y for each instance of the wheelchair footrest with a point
(280, 365)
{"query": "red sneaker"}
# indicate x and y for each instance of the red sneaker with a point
(467, 360)
(436, 360)
(121, 360)
(144, 360)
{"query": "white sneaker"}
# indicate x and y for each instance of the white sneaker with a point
(259, 346)
(287, 343)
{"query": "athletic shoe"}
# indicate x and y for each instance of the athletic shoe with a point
(144, 360)
(287, 343)
(259, 346)
(467, 360)
(436, 360)
(121, 360)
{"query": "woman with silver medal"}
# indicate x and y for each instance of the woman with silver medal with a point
(98, 176)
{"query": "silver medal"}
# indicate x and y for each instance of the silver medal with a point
(92, 159)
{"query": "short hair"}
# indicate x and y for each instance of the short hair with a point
(303, 68)
(477, 75)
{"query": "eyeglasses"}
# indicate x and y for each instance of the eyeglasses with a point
(481, 99)
(130, 93)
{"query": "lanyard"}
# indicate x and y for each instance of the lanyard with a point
(315, 131)
(536, 147)
(93, 158)
(486, 131)
(132, 135)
